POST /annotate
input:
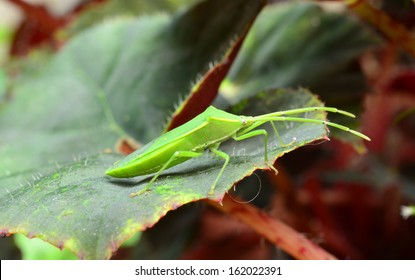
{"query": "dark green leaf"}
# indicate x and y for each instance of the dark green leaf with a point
(79, 208)
(300, 44)
(96, 13)
(118, 79)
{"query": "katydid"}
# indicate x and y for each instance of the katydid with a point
(207, 131)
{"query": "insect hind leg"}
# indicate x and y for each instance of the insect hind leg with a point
(254, 133)
(226, 157)
(178, 154)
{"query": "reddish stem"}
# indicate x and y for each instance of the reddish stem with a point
(277, 232)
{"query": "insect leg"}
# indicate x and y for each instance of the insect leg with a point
(279, 137)
(261, 122)
(253, 134)
(178, 154)
(276, 133)
(225, 156)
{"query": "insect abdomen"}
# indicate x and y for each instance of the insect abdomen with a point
(146, 161)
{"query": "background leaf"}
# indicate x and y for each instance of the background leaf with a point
(36, 249)
(97, 12)
(301, 44)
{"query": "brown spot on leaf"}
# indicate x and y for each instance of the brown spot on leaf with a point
(4, 233)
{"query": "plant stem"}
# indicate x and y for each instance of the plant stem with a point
(277, 232)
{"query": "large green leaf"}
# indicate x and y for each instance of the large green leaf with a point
(118, 79)
(79, 208)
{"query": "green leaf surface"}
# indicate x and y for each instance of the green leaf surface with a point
(79, 208)
(96, 13)
(3, 86)
(118, 79)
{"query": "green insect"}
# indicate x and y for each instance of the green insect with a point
(207, 131)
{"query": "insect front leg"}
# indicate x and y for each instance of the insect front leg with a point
(246, 135)
(178, 154)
